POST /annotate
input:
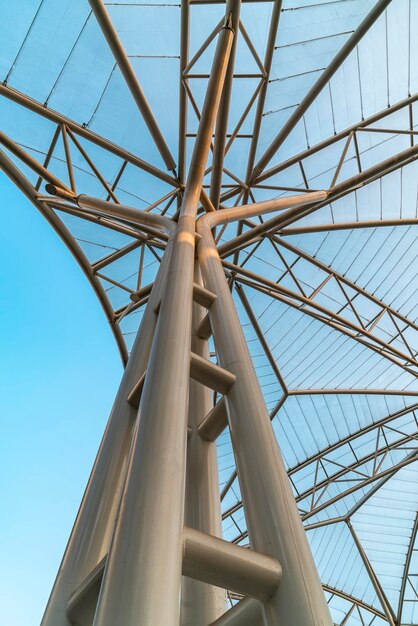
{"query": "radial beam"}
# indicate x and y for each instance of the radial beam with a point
(129, 75)
(184, 58)
(324, 228)
(342, 189)
(82, 131)
(318, 86)
(322, 145)
(268, 59)
(408, 560)
(362, 331)
(390, 615)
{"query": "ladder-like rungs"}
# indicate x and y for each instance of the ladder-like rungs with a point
(215, 422)
(202, 370)
(82, 603)
(135, 395)
(203, 296)
(206, 558)
(224, 564)
(204, 330)
(210, 375)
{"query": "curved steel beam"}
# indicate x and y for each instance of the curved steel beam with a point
(352, 471)
(408, 560)
(10, 169)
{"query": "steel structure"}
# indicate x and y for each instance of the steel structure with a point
(250, 170)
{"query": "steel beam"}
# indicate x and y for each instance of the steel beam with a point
(215, 422)
(408, 559)
(129, 75)
(82, 131)
(247, 612)
(322, 145)
(260, 336)
(184, 58)
(31, 162)
(268, 59)
(288, 217)
(318, 86)
(321, 228)
(222, 119)
(358, 332)
(387, 609)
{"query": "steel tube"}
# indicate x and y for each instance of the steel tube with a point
(90, 537)
(268, 59)
(125, 212)
(116, 210)
(229, 566)
(184, 56)
(201, 603)
(129, 75)
(318, 86)
(288, 217)
(222, 118)
(31, 162)
(387, 608)
(82, 131)
(273, 519)
(339, 136)
(214, 423)
(320, 228)
(146, 551)
(247, 612)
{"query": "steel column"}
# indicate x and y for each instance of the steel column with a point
(222, 120)
(90, 537)
(146, 552)
(201, 603)
(272, 516)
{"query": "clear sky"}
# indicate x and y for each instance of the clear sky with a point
(60, 369)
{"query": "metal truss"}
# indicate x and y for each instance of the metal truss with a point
(332, 480)
(189, 304)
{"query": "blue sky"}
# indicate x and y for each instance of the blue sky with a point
(60, 369)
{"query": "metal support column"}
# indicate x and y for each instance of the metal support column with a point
(273, 519)
(90, 537)
(201, 603)
(142, 578)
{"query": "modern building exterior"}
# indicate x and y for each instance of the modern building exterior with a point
(238, 182)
